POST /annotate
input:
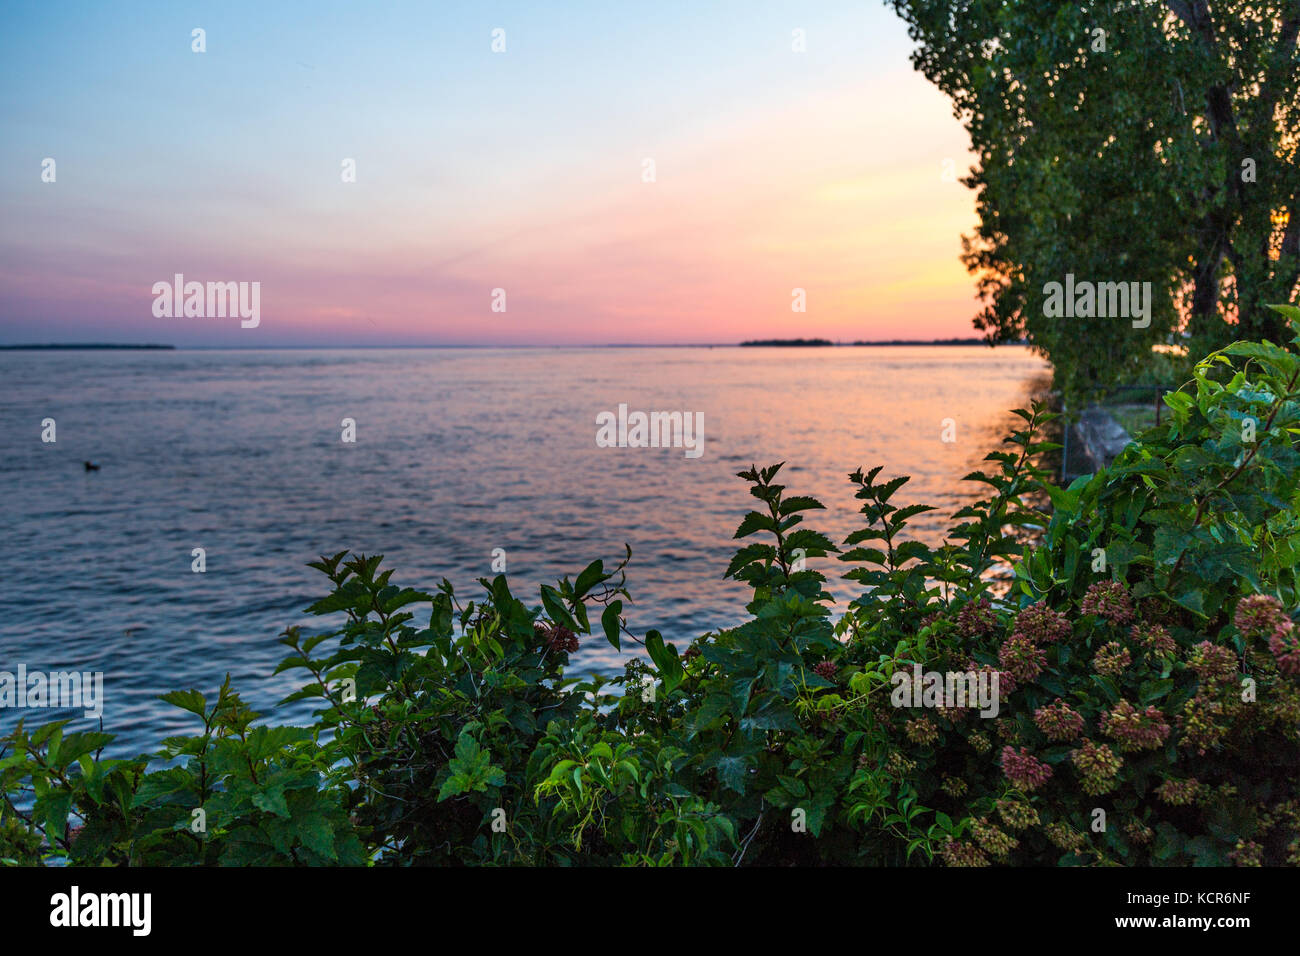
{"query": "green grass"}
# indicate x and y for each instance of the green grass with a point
(1134, 418)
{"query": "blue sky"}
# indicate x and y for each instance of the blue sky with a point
(476, 170)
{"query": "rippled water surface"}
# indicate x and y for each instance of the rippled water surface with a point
(458, 452)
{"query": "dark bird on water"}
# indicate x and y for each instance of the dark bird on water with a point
(90, 466)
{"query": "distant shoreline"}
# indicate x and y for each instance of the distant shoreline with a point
(755, 343)
(78, 345)
(825, 343)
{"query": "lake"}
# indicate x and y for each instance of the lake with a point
(458, 454)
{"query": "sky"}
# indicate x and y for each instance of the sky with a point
(663, 173)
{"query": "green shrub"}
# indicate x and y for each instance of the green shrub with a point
(1148, 678)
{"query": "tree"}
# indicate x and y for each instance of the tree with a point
(1125, 142)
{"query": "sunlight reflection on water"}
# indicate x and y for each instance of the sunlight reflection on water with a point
(458, 452)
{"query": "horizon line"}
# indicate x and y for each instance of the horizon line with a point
(153, 346)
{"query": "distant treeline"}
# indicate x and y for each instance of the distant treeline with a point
(84, 345)
(968, 341)
(789, 342)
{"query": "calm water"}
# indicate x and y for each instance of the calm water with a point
(458, 452)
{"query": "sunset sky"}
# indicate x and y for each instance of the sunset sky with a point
(477, 170)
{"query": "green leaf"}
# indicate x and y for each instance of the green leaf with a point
(730, 769)
(754, 521)
(272, 801)
(609, 622)
(665, 659)
(189, 700)
(591, 575)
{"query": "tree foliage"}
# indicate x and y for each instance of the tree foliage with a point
(1132, 141)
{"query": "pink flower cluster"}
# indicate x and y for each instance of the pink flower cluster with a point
(1112, 659)
(1021, 659)
(1066, 837)
(921, 730)
(1138, 832)
(1246, 853)
(1097, 766)
(1136, 731)
(1258, 615)
(1261, 615)
(1109, 600)
(1058, 721)
(1024, 769)
(1202, 723)
(976, 619)
(1286, 648)
(961, 853)
(1212, 662)
(993, 840)
(1017, 815)
(825, 670)
(1039, 624)
(1006, 681)
(1154, 638)
(560, 639)
(1178, 793)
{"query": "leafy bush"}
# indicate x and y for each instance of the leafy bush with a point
(1148, 700)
